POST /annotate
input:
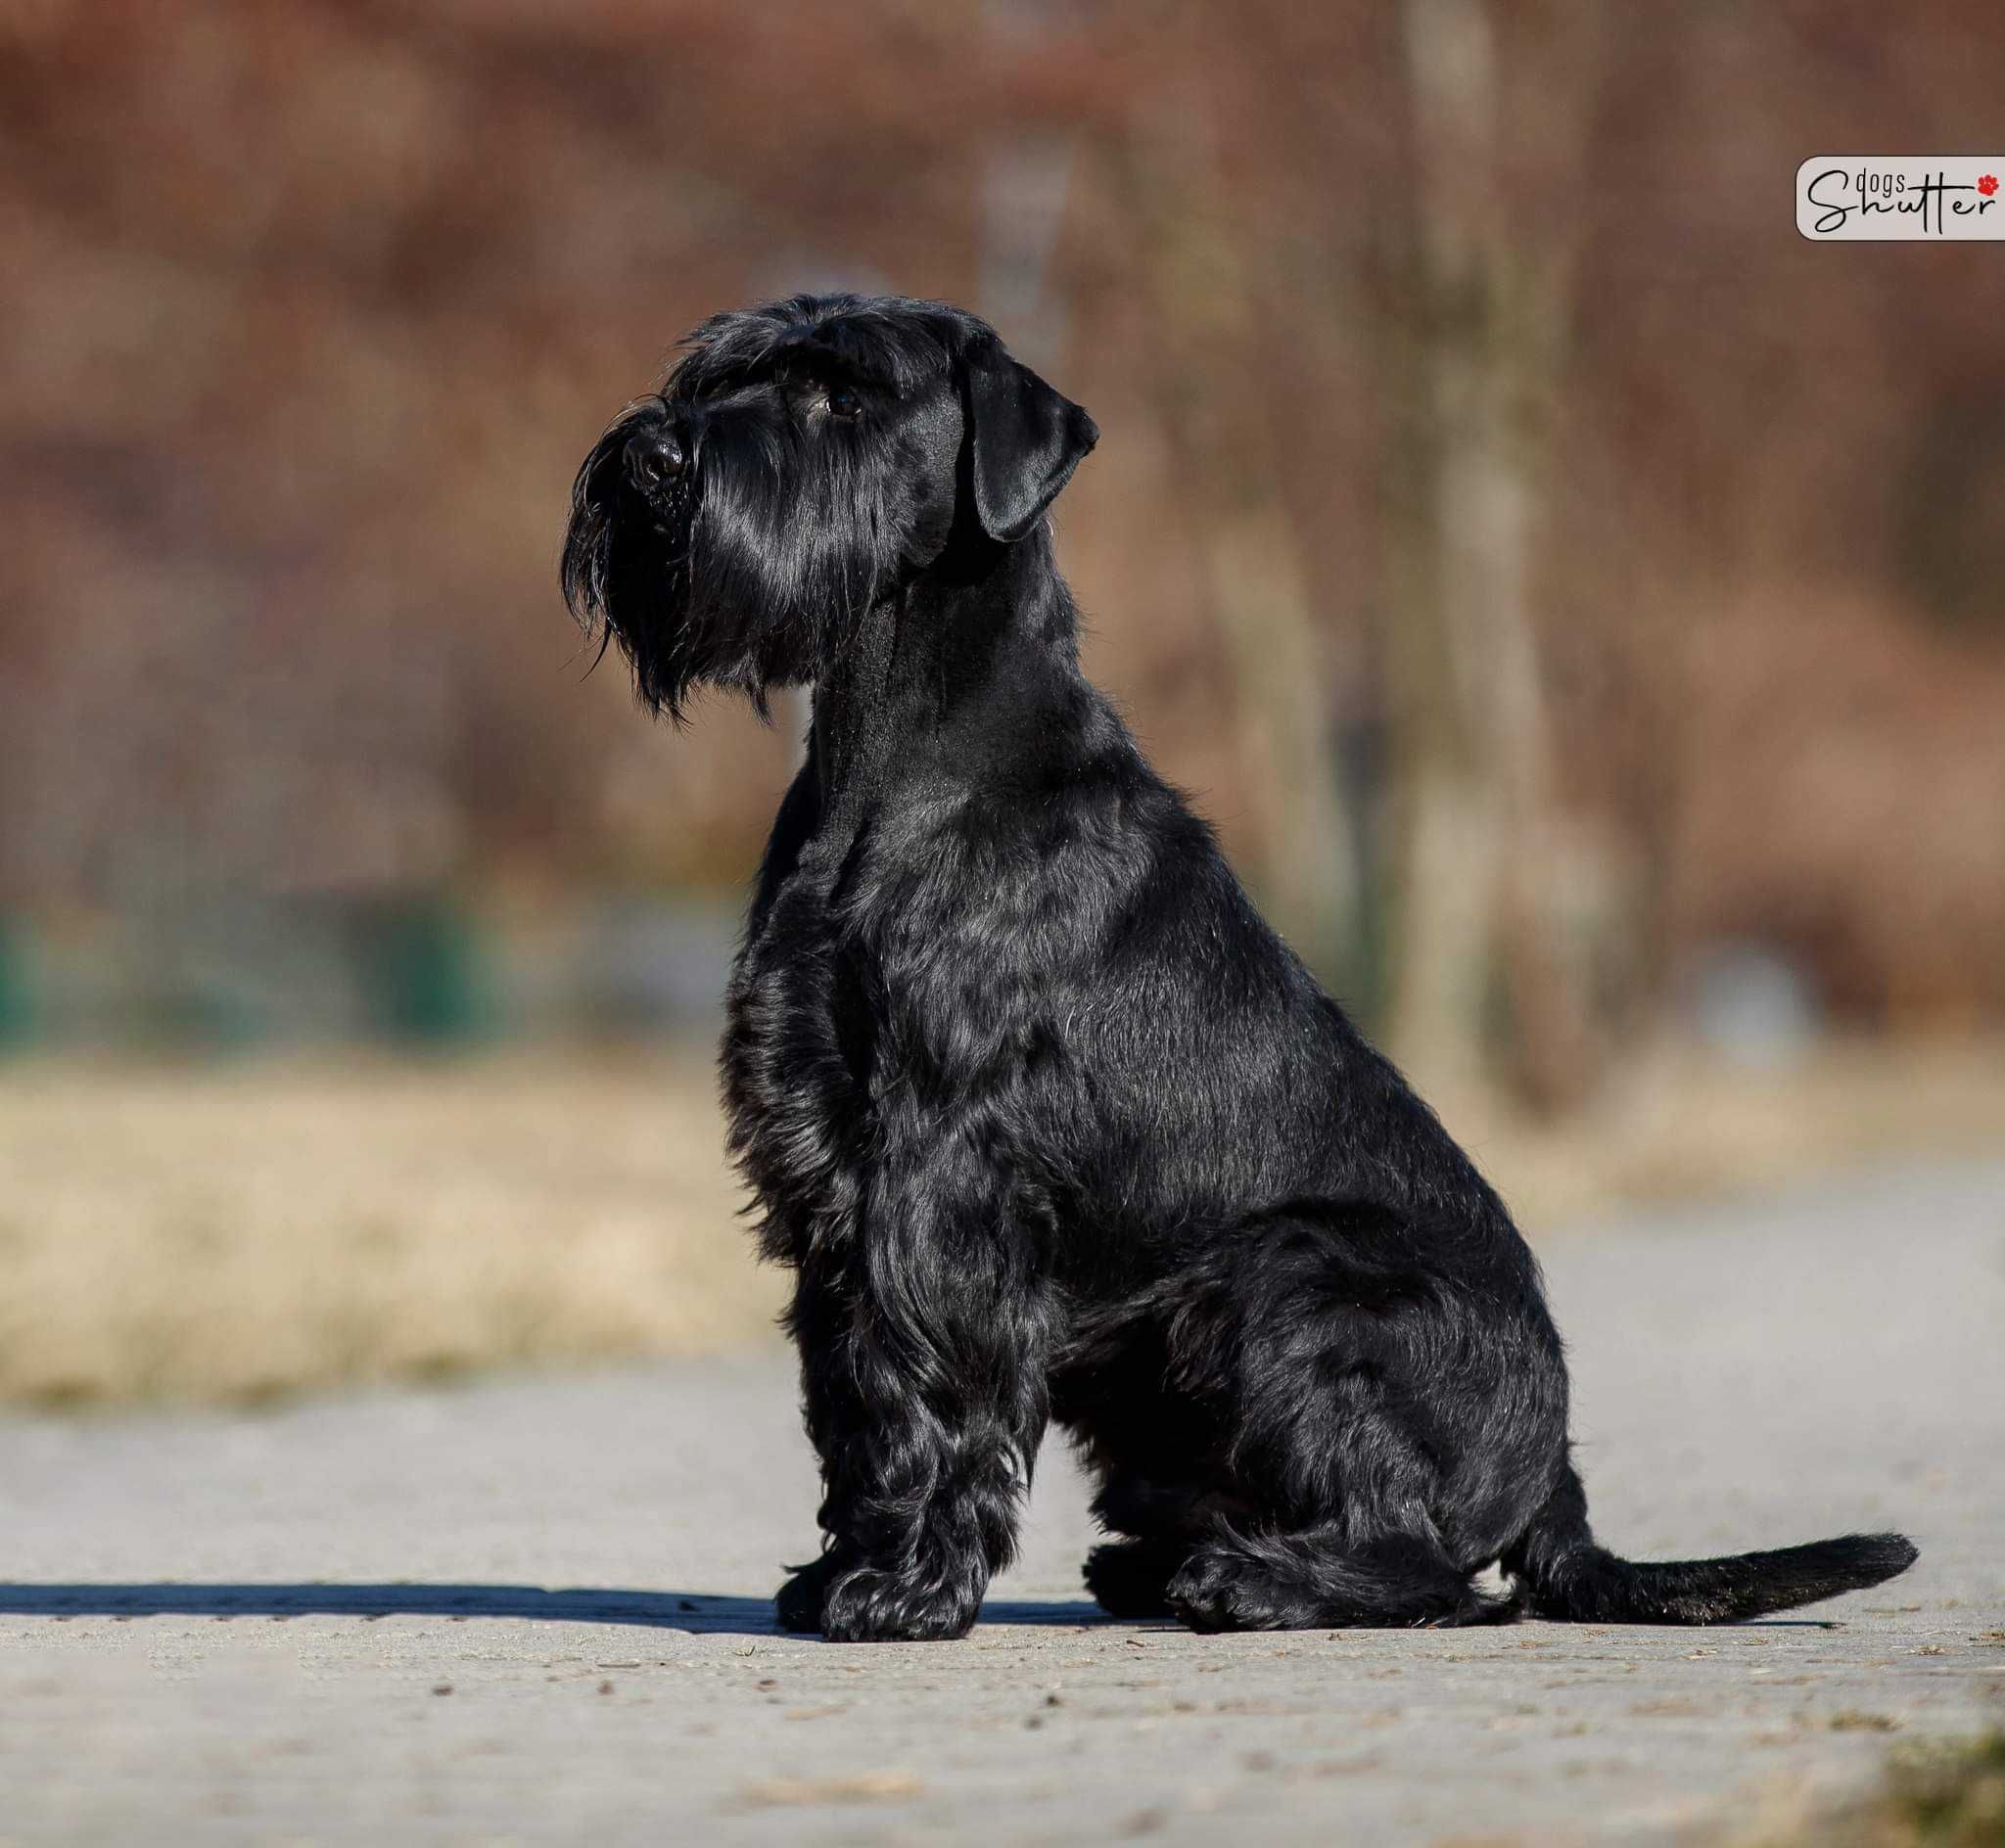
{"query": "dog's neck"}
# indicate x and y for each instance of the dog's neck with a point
(970, 651)
(857, 717)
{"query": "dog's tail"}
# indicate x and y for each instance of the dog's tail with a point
(1562, 1574)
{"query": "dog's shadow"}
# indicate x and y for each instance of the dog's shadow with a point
(697, 1612)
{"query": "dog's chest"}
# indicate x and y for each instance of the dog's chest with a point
(798, 1054)
(853, 1037)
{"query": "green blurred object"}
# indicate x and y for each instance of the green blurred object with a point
(17, 1011)
(429, 977)
(203, 1012)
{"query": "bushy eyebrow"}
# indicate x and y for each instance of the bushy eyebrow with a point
(832, 366)
(833, 357)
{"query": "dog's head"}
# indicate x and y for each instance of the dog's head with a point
(803, 460)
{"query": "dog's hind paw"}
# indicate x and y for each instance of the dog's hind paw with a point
(1480, 1607)
(1218, 1589)
(1305, 1583)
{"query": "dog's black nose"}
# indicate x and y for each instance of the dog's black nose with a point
(654, 458)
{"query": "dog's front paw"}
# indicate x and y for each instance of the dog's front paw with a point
(799, 1601)
(868, 1606)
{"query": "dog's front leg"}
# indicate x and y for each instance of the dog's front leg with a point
(923, 1369)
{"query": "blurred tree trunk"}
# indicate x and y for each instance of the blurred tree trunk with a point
(1478, 835)
(1255, 582)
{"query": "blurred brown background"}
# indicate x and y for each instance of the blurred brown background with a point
(1579, 601)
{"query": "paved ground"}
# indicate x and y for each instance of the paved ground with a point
(332, 1624)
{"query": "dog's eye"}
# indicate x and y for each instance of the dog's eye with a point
(843, 402)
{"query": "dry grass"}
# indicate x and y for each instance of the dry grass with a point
(239, 1232)
(1943, 1794)
(1680, 1126)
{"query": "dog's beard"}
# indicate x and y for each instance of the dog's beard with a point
(750, 574)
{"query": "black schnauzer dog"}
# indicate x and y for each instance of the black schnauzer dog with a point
(1047, 1122)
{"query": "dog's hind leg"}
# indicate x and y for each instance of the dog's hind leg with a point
(1362, 1478)
(1318, 1580)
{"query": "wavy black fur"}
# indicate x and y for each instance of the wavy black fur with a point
(1047, 1122)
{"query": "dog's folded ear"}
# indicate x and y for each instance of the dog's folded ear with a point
(1024, 438)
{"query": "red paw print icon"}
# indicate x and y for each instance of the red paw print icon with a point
(1988, 184)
